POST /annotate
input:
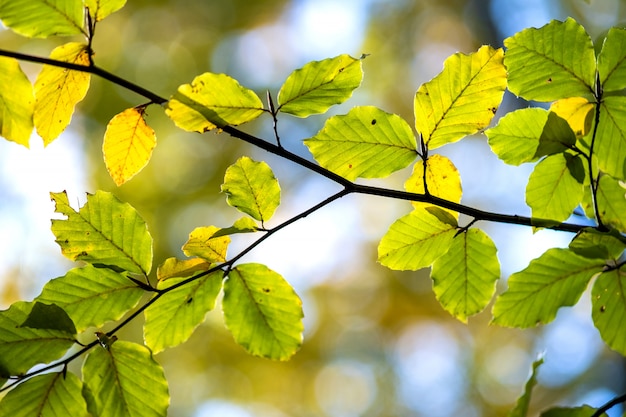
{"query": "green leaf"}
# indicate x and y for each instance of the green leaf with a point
(262, 311)
(49, 395)
(442, 178)
(464, 277)
(367, 142)
(50, 317)
(612, 61)
(172, 319)
(578, 111)
(583, 411)
(92, 296)
(609, 308)
(523, 402)
(515, 139)
(16, 103)
(599, 245)
(99, 9)
(554, 280)
(126, 381)
(318, 85)
(242, 225)
(213, 101)
(43, 18)
(553, 62)
(612, 202)
(462, 99)
(557, 136)
(203, 244)
(252, 188)
(21, 348)
(555, 188)
(104, 231)
(610, 143)
(173, 268)
(416, 240)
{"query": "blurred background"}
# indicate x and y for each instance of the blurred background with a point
(376, 342)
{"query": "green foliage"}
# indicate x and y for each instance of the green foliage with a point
(523, 402)
(578, 145)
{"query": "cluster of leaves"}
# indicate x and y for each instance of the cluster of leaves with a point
(579, 144)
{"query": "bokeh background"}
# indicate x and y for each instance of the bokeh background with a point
(377, 343)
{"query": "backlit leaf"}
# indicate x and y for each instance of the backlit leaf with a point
(125, 380)
(555, 187)
(541, 68)
(43, 18)
(318, 85)
(442, 178)
(612, 60)
(578, 112)
(49, 317)
(172, 319)
(462, 99)
(99, 9)
(367, 142)
(612, 202)
(593, 244)
(16, 103)
(555, 279)
(92, 296)
(556, 136)
(464, 277)
(173, 268)
(58, 90)
(21, 348)
(213, 101)
(252, 188)
(516, 136)
(610, 144)
(609, 308)
(202, 244)
(583, 411)
(523, 402)
(242, 225)
(416, 240)
(50, 395)
(104, 231)
(128, 144)
(263, 312)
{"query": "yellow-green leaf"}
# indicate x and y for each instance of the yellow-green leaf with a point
(99, 9)
(202, 244)
(612, 202)
(92, 296)
(252, 188)
(172, 319)
(612, 61)
(554, 280)
(523, 402)
(553, 62)
(104, 232)
(318, 85)
(49, 395)
(128, 144)
(442, 178)
(16, 103)
(516, 136)
(213, 101)
(58, 90)
(43, 18)
(125, 380)
(416, 240)
(242, 225)
(464, 277)
(610, 143)
(174, 268)
(462, 99)
(262, 311)
(608, 299)
(367, 142)
(578, 112)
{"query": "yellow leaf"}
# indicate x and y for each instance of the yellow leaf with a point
(442, 178)
(180, 268)
(202, 244)
(577, 111)
(128, 144)
(16, 103)
(58, 90)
